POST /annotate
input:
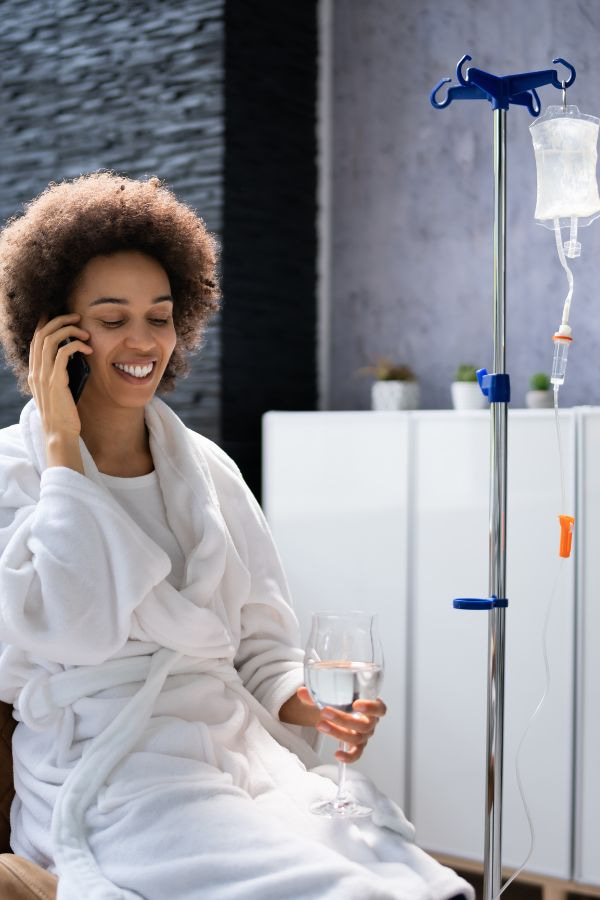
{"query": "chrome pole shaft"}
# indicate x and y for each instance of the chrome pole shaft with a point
(492, 875)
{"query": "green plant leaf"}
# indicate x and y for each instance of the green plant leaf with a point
(540, 382)
(386, 370)
(466, 372)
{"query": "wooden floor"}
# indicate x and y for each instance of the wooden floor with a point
(525, 887)
(517, 891)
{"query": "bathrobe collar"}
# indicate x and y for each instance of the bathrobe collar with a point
(192, 619)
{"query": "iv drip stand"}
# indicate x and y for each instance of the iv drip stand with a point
(501, 92)
(497, 531)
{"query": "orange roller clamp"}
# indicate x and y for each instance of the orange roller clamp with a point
(566, 535)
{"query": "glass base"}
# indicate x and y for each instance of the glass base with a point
(346, 808)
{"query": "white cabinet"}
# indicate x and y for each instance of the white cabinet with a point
(448, 679)
(389, 511)
(587, 819)
(449, 673)
(335, 495)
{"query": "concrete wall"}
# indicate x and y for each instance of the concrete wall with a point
(412, 196)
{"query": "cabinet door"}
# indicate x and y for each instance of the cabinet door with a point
(335, 496)
(534, 571)
(587, 855)
(446, 768)
(446, 772)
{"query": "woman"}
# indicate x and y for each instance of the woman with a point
(148, 645)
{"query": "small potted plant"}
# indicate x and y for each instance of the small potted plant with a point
(466, 393)
(540, 396)
(395, 386)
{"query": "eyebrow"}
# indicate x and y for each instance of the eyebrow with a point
(121, 302)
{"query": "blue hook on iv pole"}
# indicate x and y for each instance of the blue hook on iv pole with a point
(501, 91)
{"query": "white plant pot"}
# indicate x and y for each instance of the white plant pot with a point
(467, 395)
(395, 395)
(539, 399)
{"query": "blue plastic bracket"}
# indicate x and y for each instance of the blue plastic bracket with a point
(480, 604)
(495, 387)
(501, 90)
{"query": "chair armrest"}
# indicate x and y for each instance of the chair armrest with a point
(21, 879)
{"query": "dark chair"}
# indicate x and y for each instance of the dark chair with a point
(20, 879)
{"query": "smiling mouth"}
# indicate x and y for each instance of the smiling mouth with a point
(134, 374)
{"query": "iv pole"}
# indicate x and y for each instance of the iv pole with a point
(501, 92)
(497, 531)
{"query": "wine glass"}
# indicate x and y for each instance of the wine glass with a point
(343, 663)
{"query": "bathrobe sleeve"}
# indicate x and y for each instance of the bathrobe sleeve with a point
(73, 565)
(269, 657)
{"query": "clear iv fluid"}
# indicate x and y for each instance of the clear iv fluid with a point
(564, 142)
(559, 362)
(565, 186)
(339, 683)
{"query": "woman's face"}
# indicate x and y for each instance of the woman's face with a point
(125, 303)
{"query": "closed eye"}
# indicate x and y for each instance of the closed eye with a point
(120, 322)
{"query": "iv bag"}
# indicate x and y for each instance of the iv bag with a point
(564, 141)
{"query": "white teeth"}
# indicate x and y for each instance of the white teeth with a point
(137, 371)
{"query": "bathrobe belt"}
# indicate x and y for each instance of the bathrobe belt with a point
(45, 696)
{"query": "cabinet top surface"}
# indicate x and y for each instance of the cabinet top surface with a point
(429, 413)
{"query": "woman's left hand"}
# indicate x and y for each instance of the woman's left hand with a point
(355, 729)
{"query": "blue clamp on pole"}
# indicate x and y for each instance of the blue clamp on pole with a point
(501, 91)
(495, 387)
(486, 603)
(473, 603)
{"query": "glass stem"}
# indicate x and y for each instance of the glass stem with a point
(341, 796)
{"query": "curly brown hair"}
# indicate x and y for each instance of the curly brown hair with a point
(43, 250)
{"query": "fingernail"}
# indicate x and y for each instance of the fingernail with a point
(327, 714)
(322, 726)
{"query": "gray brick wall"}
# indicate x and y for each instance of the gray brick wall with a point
(136, 87)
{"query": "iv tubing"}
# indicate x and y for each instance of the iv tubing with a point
(528, 728)
(563, 262)
(546, 667)
(563, 503)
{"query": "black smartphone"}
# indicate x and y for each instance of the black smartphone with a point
(78, 370)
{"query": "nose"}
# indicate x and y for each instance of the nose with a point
(140, 337)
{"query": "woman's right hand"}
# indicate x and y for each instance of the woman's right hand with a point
(48, 377)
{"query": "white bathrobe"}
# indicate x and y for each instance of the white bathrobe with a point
(149, 760)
